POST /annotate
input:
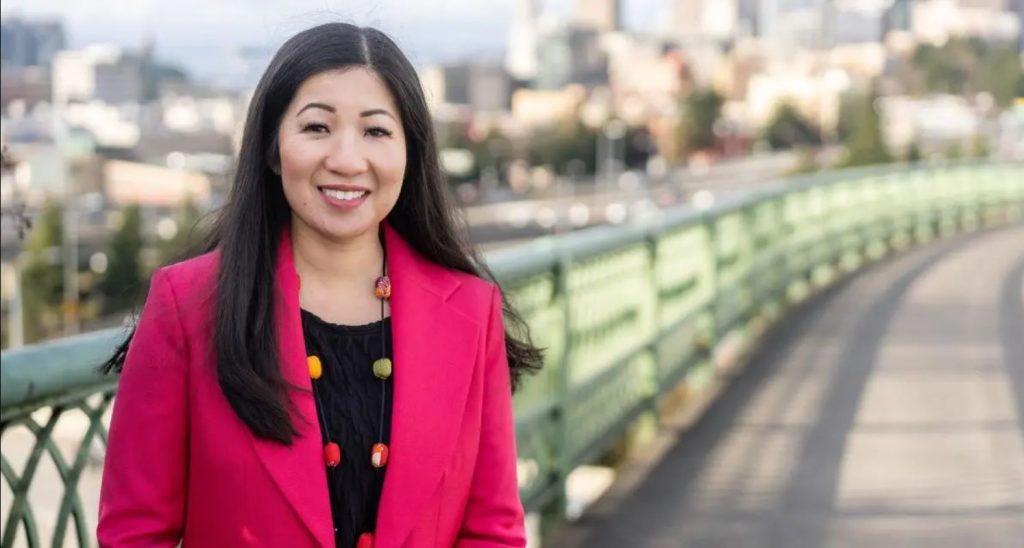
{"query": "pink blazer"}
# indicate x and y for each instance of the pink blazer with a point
(181, 466)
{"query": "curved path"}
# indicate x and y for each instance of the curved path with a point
(887, 412)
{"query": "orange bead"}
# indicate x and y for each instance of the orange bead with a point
(382, 289)
(315, 367)
(365, 541)
(332, 454)
(379, 455)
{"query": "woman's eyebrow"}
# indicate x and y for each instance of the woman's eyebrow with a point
(375, 111)
(328, 108)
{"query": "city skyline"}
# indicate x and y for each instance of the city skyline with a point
(198, 35)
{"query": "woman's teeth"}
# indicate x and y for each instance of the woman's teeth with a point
(343, 194)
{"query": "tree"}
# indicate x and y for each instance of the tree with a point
(701, 109)
(788, 128)
(864, 143)
(979, 146)
(966, 66)
(42, 278)
(122, 284)
(187, 234)
(913, 154)
(557, 146)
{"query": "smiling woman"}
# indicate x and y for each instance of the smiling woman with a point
(368, 405)
(342, 149)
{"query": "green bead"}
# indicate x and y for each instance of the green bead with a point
(382, 368)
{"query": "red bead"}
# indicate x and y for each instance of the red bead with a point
(382, 289)
(332, 454)
(365, 541)
(379, 455)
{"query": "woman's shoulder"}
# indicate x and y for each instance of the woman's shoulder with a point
(191, 281)
(473, 293)
(196, 270)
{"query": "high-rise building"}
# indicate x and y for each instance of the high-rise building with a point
(101, 73)
(996, 5)
(521, 59)
(699, 20)
(483, 86)
(571, 55)
(30, 43)
(897, 16)
(599, 15)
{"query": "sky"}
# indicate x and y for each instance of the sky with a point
(196, 33)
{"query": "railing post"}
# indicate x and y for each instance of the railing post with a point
(554, 511)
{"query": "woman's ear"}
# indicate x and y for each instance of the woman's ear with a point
(274, 157)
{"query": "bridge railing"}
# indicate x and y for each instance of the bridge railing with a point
(629, 315)
(633, 315)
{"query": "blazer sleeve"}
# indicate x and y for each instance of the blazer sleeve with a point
(494, 513)
(142, 498)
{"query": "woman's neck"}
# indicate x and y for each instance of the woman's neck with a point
(337, 276)
(333, 262)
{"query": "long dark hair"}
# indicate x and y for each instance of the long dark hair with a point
(250, 224)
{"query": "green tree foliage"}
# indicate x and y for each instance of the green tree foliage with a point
(863, 136)
(965, 66)
(913, 153)
(187, 236)
(788, 128)
(557, 146)
(122, 284)
(700, 110)
(42, 278)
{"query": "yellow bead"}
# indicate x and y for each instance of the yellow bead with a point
(382, 368)
(315, 368)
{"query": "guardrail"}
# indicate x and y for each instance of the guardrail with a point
(628, 314)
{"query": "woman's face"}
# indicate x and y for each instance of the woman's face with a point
(342, 151)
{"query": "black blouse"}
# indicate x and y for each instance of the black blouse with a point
(350, 399)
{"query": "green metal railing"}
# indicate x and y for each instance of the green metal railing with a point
(627, 313)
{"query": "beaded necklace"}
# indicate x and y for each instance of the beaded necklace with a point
(382, 368)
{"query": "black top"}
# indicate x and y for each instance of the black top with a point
(351, 396)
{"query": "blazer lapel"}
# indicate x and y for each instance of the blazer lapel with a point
(434, 351)
(297, 469)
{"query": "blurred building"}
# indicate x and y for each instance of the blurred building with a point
(856, 24)
(29, 84)
(25, 43)
(97, 73)
(111, 126)
(644, 77)
(936, 21)
(521, 57)
(570, 55)
(150, 185)
(599, 15)
(535, 108)
(815, 93)
(898, 16)
(484, 86)
(192, 112)
(695, 21)
(936, 123)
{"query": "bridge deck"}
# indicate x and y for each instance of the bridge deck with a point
(889, 412)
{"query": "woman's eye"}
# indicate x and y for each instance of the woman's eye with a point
(378, 132)
(314, 128)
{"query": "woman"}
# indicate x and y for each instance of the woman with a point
(368, 405)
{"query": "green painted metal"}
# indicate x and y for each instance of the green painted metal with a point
(626, 313)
